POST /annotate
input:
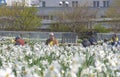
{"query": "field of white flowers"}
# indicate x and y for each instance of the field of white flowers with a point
(39, 60)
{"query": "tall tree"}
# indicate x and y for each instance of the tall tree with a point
(20, 17)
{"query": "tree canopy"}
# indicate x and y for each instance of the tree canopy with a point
(77, 18)
(19, 17)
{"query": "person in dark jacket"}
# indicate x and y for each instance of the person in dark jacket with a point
(93, 40)
(86, 42)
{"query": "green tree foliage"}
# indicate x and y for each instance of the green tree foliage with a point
(59, 27)
(101, 29)
(20, 17)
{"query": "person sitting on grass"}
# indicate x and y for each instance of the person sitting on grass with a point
(19, 41)
(93, 40)
(52, 40)
(114, 40)
(86, 42)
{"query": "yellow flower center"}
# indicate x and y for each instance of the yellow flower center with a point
(7, 75)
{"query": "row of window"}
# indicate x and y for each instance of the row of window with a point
(46, 17)
(97, 3)
(76, 4)
(50, 17)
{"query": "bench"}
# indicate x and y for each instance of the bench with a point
(69, 38)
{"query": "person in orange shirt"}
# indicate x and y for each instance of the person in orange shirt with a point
(19, 41)
(52, 40)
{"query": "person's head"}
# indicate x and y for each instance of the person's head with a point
(51, 35)
(17, 37)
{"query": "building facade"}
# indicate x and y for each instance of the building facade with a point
(47, 7)
(74, 3)
(61, 3)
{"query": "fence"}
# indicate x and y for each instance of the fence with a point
(102, 36)
(62, 36)
(69, 38)
(37, 35)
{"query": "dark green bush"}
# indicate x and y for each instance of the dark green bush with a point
(101, 29)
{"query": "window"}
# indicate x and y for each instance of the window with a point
(105, 3)
(43, 4)
(74, 3)
(46, 17)
(96, 4)
(51, 17)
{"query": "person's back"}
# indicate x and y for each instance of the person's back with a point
(93, 40)
(19, 41)
(86, 43)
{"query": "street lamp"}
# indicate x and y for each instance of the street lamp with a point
(60, 3)
(64, 3)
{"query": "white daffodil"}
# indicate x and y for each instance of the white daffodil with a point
(98, 65)
(118, 74)
(6, 73)
(72, 58)
(52, 72)
(70, 74)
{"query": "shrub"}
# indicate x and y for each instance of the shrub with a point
(101, 29)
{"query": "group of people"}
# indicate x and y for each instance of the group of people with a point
(90, 41)
(86, 42)
(114, 41)
(50, 41)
